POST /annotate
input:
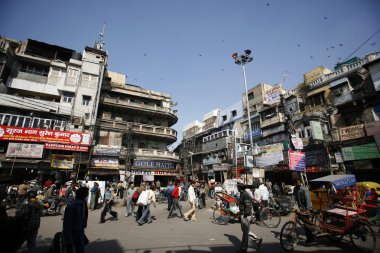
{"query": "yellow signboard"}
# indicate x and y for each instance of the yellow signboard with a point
(62, 162)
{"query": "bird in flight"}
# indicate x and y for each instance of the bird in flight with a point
(340, 44)
(268, 4)
(311, 57)
(144, 54)
(298, 45)
(325, 18)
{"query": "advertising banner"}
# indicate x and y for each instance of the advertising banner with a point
(297, 142)
(360, 152)
(316, 129)
(25, 150)
(157, 173)
(372, 128)
(57, 146)
(269, 159)
(44, 135)
(313, 75)
(352, 132)
(105, 162)
(62, 162)
(153, 164)
(297, 160)
(148, 178)
(273, 95)
(106, 150)
(220, 167)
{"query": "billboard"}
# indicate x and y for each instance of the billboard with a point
(57, 146)
(297, 160)
(105, 162)
(352, 132)
(25, 150)
(62, 161)
(360, 152)
(11, 133)
(316, 130)
(273, 95)
(153, 164)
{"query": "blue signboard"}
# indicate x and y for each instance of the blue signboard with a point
(153, 164)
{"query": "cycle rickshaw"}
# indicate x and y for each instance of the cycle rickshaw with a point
(344, 216)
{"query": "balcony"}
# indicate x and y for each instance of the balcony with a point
(34, 83)
(154, 153)
(272, 121)
(141, 107)
(160, 132)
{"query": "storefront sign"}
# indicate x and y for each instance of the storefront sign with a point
(372, 128)
(273, 148)
(62, 161)
(157, 173)
(56, 146)
(297, 160)
(256, 133)
(220, 167)
(211, 160)
(44, 135)
(106, 150)
(360, 152)
(25, 150)
(316, 129)
(148, 178)
(153, 164)
(273, 130)
(273, 95)
(352, 132)
(105, 162)
(338, 157)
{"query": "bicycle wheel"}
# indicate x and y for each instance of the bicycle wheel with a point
(270, 217)
(289, 236)
(362, 236)
(221, 215)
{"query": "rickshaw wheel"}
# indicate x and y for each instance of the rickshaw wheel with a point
(270, 217)
(289, 236)
(333, 236)
(221, 215)
(362, 236)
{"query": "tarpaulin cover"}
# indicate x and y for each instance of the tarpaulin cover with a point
(339, 181)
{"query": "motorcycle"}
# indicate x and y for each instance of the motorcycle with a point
(11, 200)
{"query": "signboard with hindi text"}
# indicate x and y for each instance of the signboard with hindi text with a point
(25, 150)
(297, 160)
(352, 132)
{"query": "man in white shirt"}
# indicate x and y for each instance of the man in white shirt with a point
(264, 193)
(192, 199)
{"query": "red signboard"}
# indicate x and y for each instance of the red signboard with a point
(297, 160)
(44, 135)
(57, 146)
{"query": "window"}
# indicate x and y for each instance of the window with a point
(224, 117)
(87, 115)
(234, 113)
(317, 99)
(89, 80)
(86, 100)
(72, 77)
(308, 132)
(300, 133)
(250, 96)
(34, 69)
(56, 76)
(68, 97)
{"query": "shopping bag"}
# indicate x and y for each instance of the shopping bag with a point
(143, 198)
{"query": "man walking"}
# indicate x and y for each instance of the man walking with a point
(245, 207)
(175, 197)
(130, 204)
(192, 199)
(108, 203)
(146, 216)
(168, 194)
(95, 193)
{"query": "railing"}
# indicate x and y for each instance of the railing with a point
(140, 128)
(156, 153)
(128, 103)
(271, 121)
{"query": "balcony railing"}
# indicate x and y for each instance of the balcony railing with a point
(143, 152)
(165, 132)
(271, 121)
(140, 106)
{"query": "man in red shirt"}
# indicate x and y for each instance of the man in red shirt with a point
(176, 193)
(48, 183)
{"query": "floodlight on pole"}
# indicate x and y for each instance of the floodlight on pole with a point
(242, 60)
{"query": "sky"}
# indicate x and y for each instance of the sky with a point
(184, 47)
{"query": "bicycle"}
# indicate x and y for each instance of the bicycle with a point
(268, 215)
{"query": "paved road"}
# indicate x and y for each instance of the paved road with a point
(176, 235)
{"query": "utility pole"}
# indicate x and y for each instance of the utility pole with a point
(130, 155)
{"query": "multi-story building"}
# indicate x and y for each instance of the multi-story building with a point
(48, 108)
(133, 133)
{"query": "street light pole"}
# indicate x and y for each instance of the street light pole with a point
(242, 60)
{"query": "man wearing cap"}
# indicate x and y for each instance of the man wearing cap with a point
(245, 207)
(29, 215)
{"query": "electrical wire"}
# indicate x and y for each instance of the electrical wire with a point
(362, 45)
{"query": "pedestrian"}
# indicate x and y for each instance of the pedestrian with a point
(95, 194)
(264, 193)
(69, 194)
(158, 185)
(130, 204)
(245, 207)
(168, 194)
(109, 200)
(140, 207)
(202, 196)
(176, 194)
(146, 216)
(29, 214)
(120, 189)
(21, 191)
(192, 200)
(75, 221)
(302, 197)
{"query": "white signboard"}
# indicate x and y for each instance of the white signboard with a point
(297, 142)
(230, 186)
(26, 150)
(269, 159)
(273, 95)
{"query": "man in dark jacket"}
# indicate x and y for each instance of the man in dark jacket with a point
(75, 221)
(245, 207)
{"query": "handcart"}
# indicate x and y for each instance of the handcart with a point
(226, 208)
(344, 216)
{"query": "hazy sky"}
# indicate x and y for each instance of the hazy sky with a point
(184, 47)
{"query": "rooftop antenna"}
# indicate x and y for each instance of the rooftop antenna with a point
(100, 43)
